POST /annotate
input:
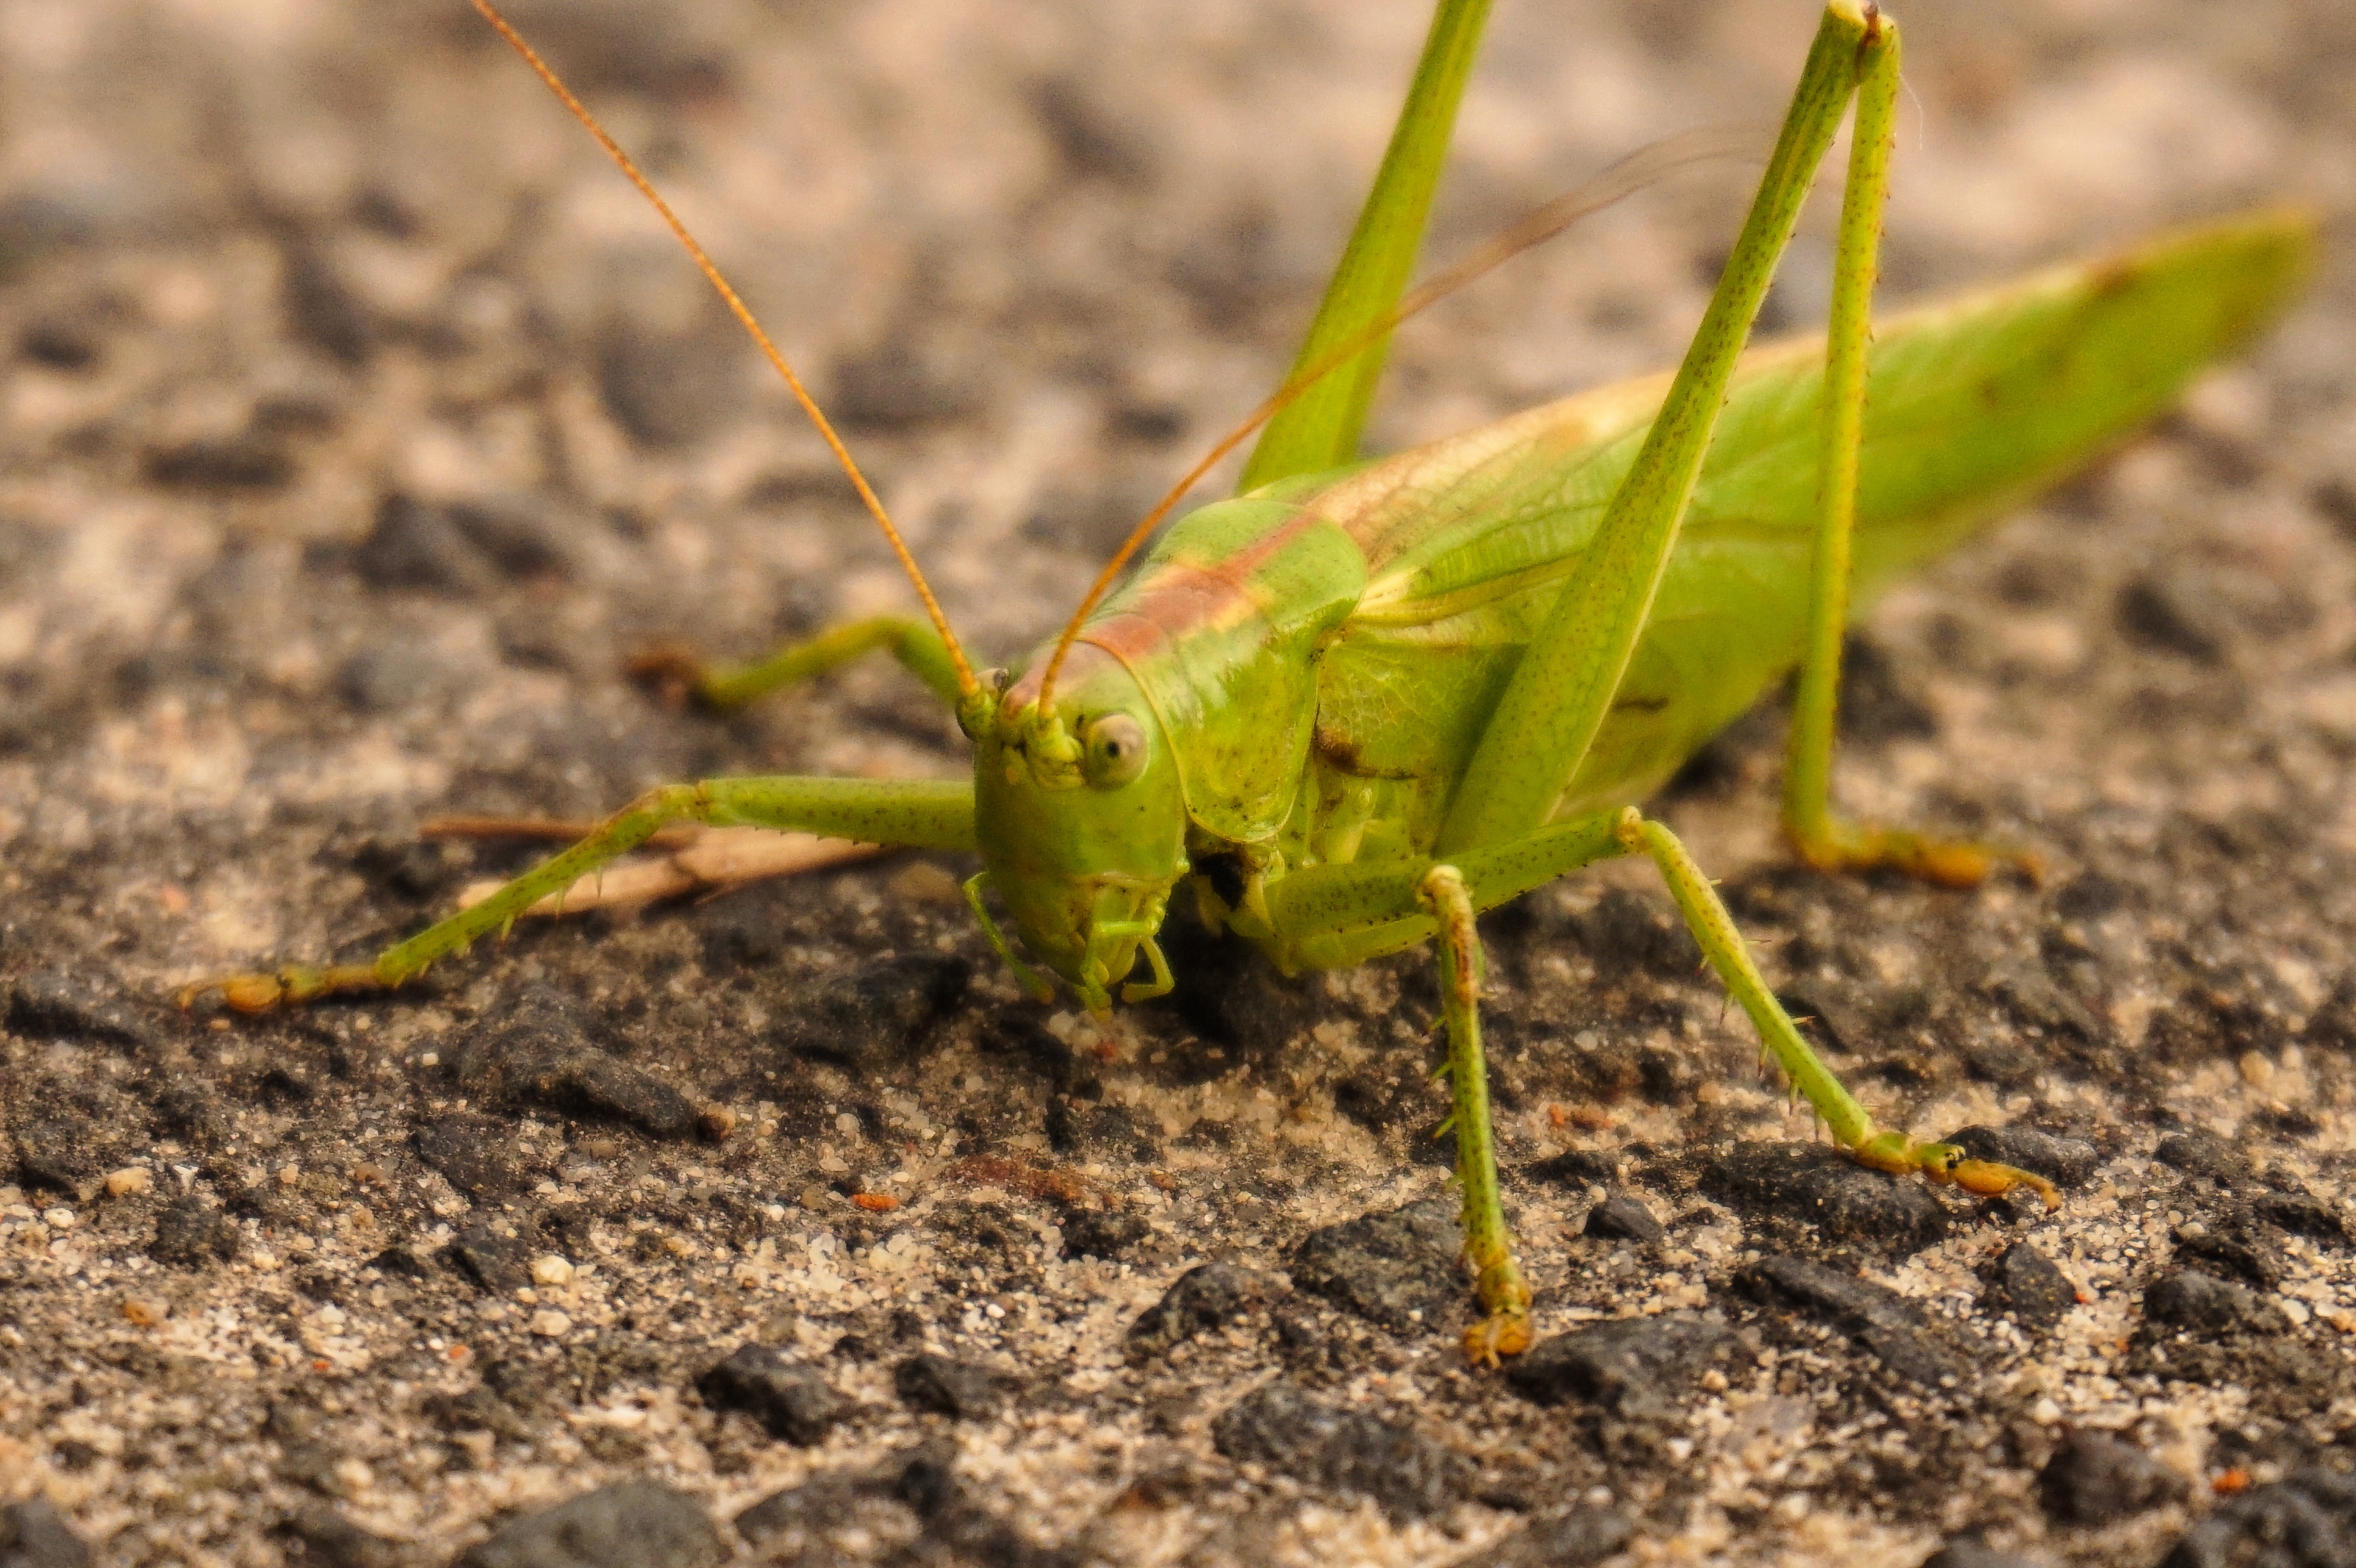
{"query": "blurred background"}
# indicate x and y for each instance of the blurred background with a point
(268, 264)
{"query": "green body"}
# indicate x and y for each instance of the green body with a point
(1341, 642)
(1358, 705)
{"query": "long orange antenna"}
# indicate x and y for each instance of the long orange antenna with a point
(1622, 179)
(966, 685)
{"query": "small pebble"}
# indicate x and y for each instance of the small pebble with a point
(550, 1324)
(131, 1181)
(143, 1312)
(550, 1269)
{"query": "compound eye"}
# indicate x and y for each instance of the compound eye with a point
(1116, 750)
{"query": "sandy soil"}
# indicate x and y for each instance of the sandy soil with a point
(359, 422)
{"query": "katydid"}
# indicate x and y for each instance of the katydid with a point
(1357, 706)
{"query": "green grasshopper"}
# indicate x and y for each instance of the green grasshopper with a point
(1357, 705)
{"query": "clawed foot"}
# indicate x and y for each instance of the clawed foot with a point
(1949, 1165)
(676, 672)
(1943, 862)
(259, 993)
(1499, 1334)
(1505, 1331)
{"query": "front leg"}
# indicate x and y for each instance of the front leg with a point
(917, 814)
(914, 644)
(1488, 1243)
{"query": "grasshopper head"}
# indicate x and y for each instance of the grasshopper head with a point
(1081, 817)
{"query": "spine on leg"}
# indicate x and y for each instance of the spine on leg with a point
(1488, 1243)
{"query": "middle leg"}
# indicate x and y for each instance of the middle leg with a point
(1714, 929)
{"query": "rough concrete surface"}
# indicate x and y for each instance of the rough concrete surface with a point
(359, 422)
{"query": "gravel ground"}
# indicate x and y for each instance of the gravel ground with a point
(359, 424)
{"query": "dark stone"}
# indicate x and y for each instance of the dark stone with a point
(316, 1536)
(1876, 705)
(917, 1487)
(402, 1263)
(924, 1480)
(47, 1004)
(2306, 1519)
(477, 1155)
(898, 389)
(2203, 1153)
(959, 1390)
(2094, 1480)
(876, 1015)
(1096, 136)
(2174, 609)
(2064, 1162)
(321, 308)
(1397, 1269)
(1155, 424)
(825, 1502)
(2236, 1246)
(1102, 1233)
(2301, 1214)
(391, 678)
(1200, 1299)
(525, 1385)
(1623, 1218)
(1630, 1365)
(2029, 1286)
(246, 462)
(793, 1402)
(499, 1265)
(58, 1155)
(590, 1083)
(1025, 1037)
(1878, 1319)
(478, 1409)
(518, 532)
(1626, 931)
(2090, 895)
(1074, 1126)
(1577, 1540)
(1291, 1431)
(633, 1524)
(2029, 996)
(192, 1231)
(1092, 519)
(538, 1054)
(1577, 1167)
(2204, 1306)
(670, 389)
(186, 1110)
(312, 1465)
(1230, 995)
(59, 345)
(1964, 1551)
(33, 1534)
(417, 545)
(1840, 1199)
(38, 224)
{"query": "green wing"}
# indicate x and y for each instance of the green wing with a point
(1973, 404)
